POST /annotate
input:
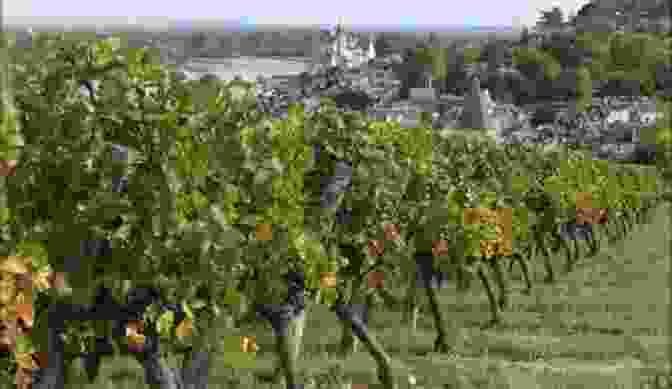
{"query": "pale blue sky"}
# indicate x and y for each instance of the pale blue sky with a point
(294, 12)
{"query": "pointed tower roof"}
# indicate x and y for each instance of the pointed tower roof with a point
(339, 25)
(372, 49)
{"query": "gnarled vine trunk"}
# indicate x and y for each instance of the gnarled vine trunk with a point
(349, 342)
(383, 360)
(425, 263)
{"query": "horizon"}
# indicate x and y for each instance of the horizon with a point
(239, 25)
(294, 13)
(151, 22)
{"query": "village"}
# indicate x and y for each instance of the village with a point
(345, 66)
(348, 70)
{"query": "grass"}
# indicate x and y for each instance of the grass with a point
(602, 326)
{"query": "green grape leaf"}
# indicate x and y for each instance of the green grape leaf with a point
(187, 310)
(328, 296)
(198, 304)
(232, 297)
(5, 215)
(82, 289)
(233, 356)
(520, 183)
(165, 323)
(36, 251)
(24, 344)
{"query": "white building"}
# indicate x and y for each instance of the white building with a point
(347, 51)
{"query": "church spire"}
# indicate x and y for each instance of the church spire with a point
(372, 49)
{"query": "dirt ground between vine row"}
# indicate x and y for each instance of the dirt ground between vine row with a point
(602, 326)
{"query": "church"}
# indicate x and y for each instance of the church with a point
(345, 49)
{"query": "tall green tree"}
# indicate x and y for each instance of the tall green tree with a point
(495, 54)
(536, 64)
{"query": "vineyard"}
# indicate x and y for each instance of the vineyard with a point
(173, 232)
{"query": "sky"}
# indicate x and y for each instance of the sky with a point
(289, 12)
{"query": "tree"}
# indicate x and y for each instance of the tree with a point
(536, 64)
(457, 73)
(584, 89)
(495, 54)
(563, 48)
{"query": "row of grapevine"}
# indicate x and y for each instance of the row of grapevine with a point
(220, 212)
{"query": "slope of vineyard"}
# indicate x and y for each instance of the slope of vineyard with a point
(244, 242)
(605, 324)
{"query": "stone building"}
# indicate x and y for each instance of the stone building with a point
(344, 49)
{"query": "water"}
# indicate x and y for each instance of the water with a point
(247, 67)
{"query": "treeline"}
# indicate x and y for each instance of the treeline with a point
(563, 65)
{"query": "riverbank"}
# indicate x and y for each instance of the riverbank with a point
(247, 67)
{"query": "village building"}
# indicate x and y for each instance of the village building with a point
(346, 50)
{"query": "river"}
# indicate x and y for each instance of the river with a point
(247, 67)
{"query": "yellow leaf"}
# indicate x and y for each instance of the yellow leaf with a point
(6, 313)
(7, 291)
(25, 361)
(328, 280)
(14, 265)
(248, 344)
(41, 281)
(584, 200)
(264, 232)
(185, 329)
(135, 338)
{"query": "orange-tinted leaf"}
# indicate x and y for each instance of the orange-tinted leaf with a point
(136, 343)
(58, 280)
(376, 279)
(328, 280)
(376, 248)
(14, 265)
(264, 232)
(7, 292)
(248, 344)
(135, 327)
(584, 200)
(8, 167)
(184, 329)
(23, 379)
(440, 247)
(8, 334)
(136, 339)
(24, 281)
(391, 232)
(42, 281)
(25, 361)
(505, 219)
(24, 314)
